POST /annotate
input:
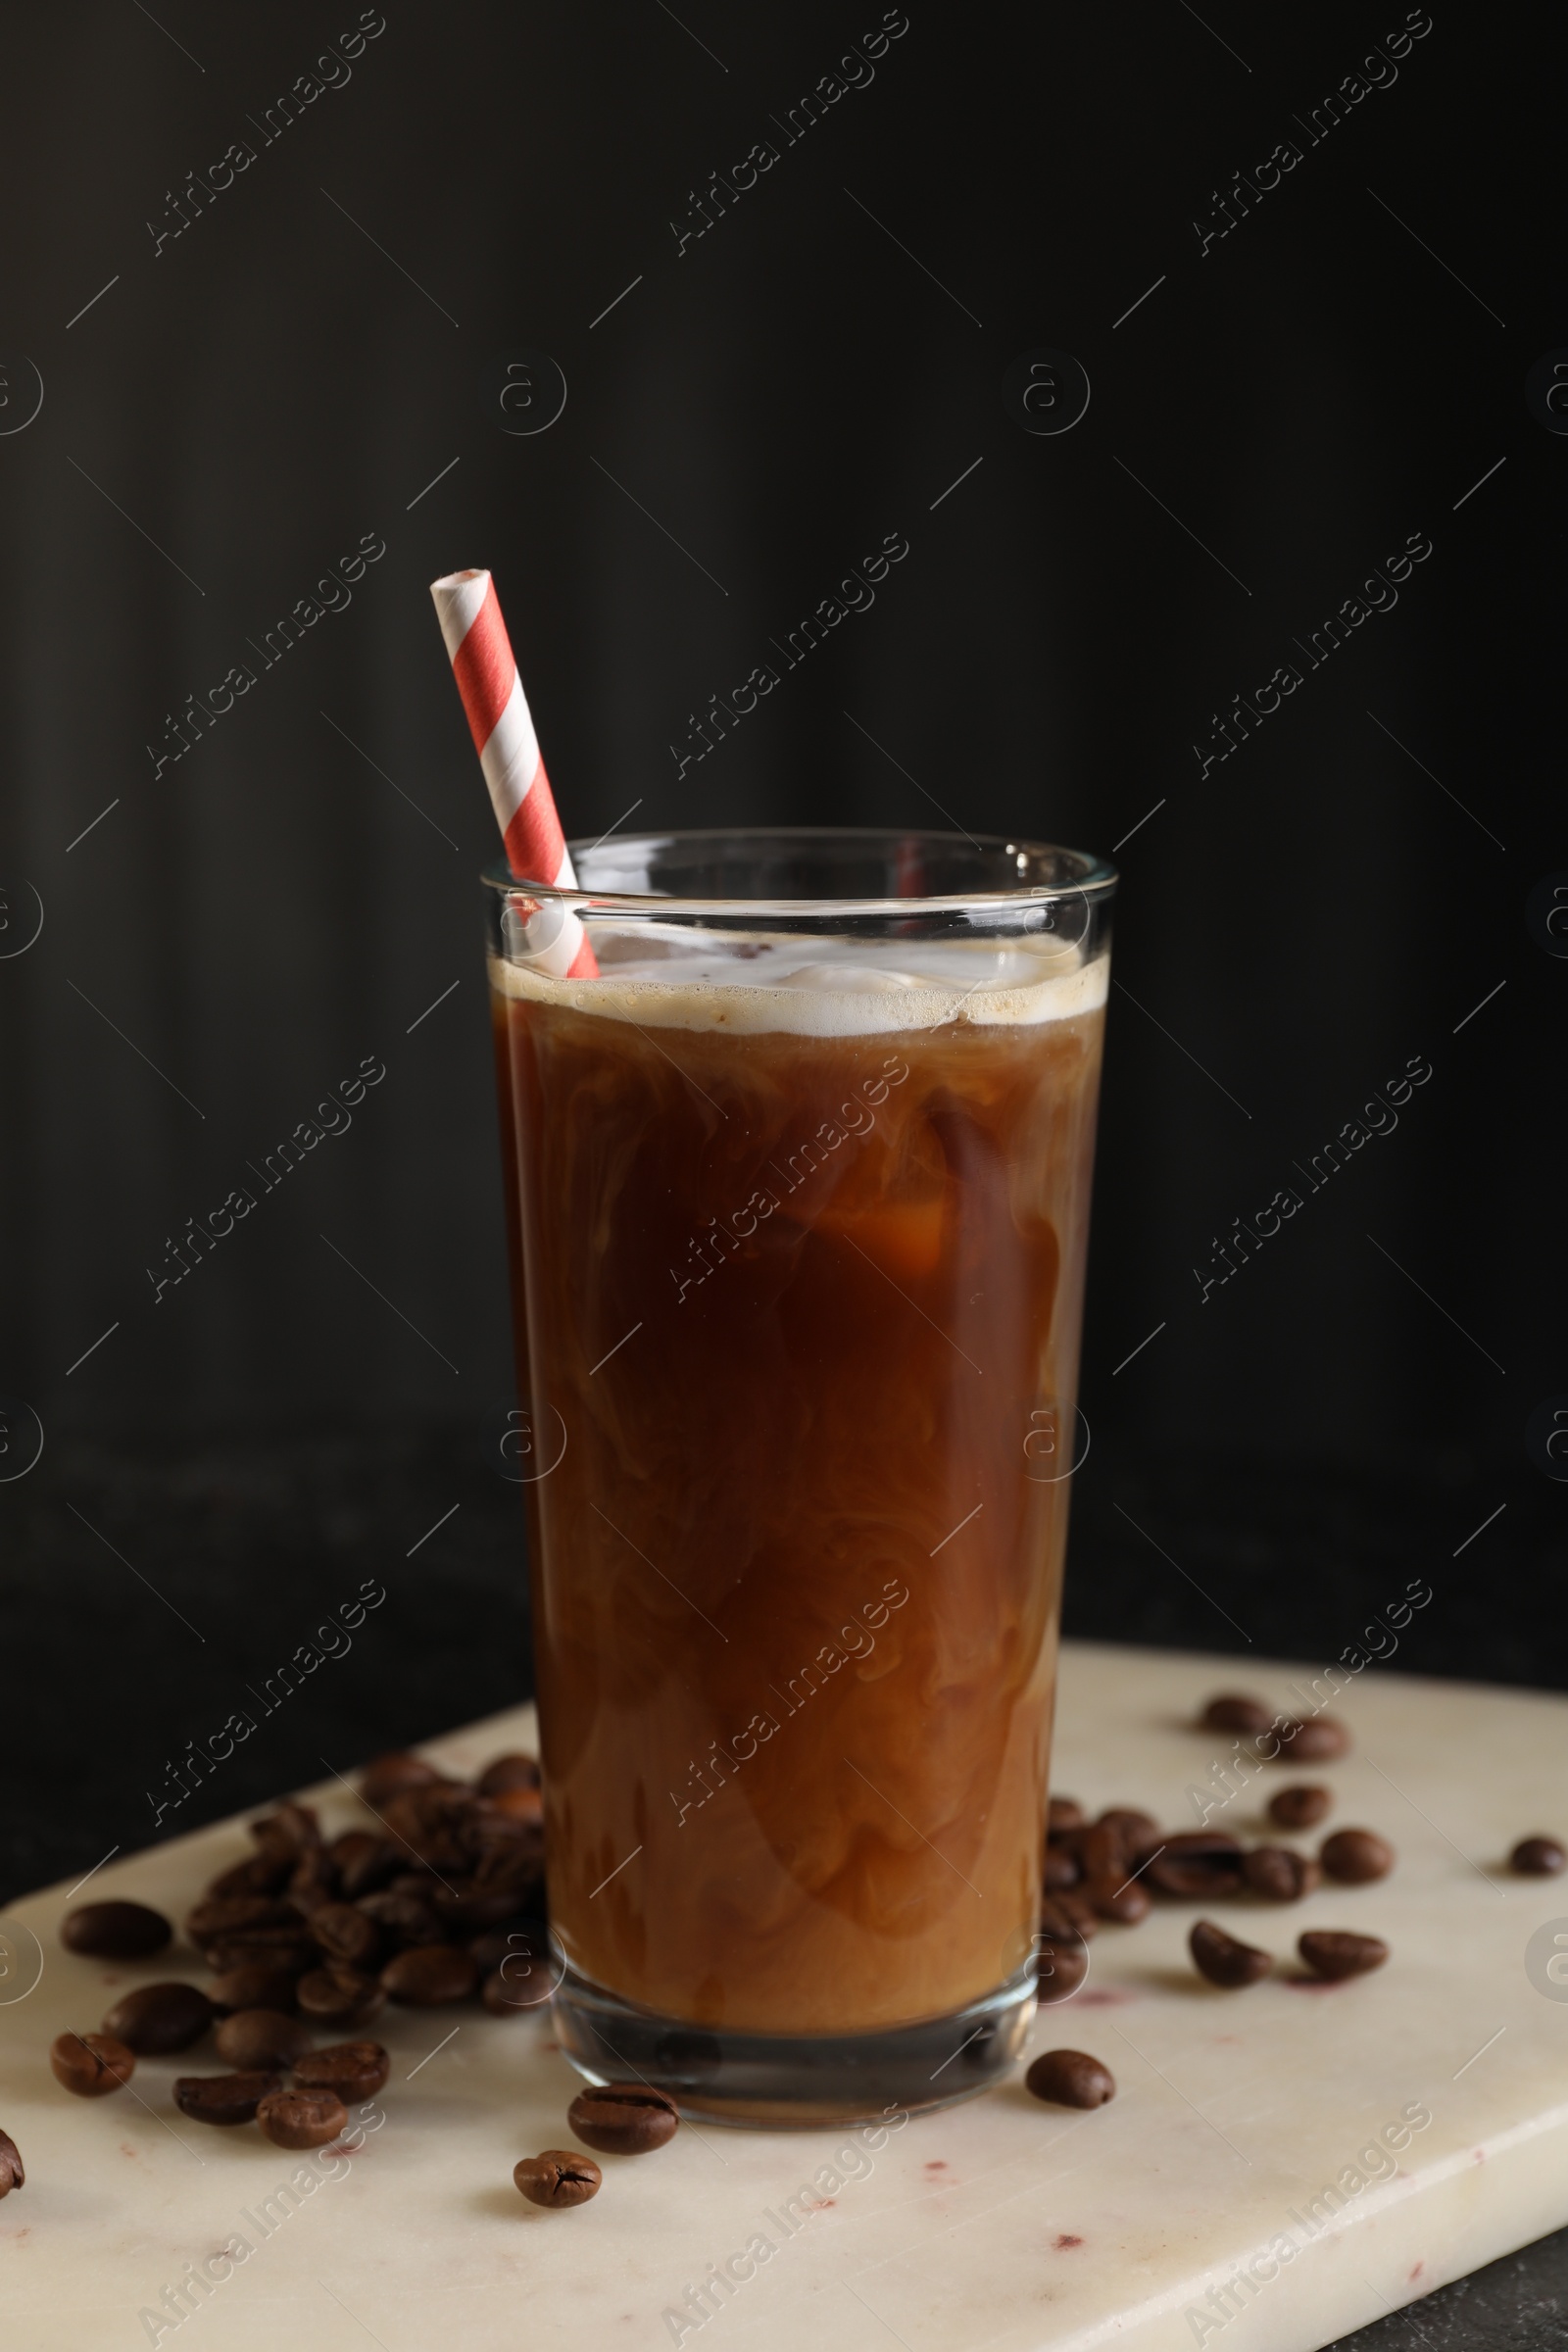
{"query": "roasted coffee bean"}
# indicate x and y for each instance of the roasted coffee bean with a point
(514, 1996)
(1278, 1874)
(1063, 1813)
(1300, 1808)
(1061, 1870)
(557, 2178)
(427, 1975)
(1138, 1830)
(1123, 1900)
(1333, 1953)
(289, 1954)
(347, 1935)
(387, 1776)
(524, 1805)
(1194, 1866)
(1312, 1739)
(339, 1996)
(157, 2018)
(405, 1919)
(507, 1772)
(301, 2118)
(260, 1874)
(238, 1918)
(291, 1827)
(1059, 1968)
(623, 2119)
(363, 1861)
(1538, 1858)
(262, 2040)
(413, 1879)
(524, 1934)
(1068, 1918)
(92, 2065)
(1356, 1856)
(1223, 1959)
(424, 1822)
(223, 2098)
(1231, 1712)
(1070, 2078)
(115, 1931)
(12, 2175)
(467, 1908)
(1102, 1850)
(313, 1883)
(355, 2070)
(251, 1987)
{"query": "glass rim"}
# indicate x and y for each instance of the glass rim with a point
(1096, 879)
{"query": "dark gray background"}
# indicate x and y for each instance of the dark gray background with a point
(304, 363)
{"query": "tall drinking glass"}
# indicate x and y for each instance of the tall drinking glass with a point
(799, 1200)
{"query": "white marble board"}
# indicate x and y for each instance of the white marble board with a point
(1001, 2224)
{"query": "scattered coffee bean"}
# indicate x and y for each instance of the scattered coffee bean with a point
(1194, 1866)
(522, 1934)
(623, 2119)
(289, 1951)
(92, 2065)
(523, 1805)
(1232, 1712)
(512, 1996)
(254, 1987)
(427, 1975)
(388, 1775)
(339, 1996)
(257, 1873)
(1070, 2078)
(1138, 1830)
(1063, 1813)
(1123, 1900)
(1223, 1959)
(1300, 1808)
(301, 2118)
(1069, 1917)
(234, 1918)
(1060, 1966)
(12, 2175)
(365, 1861)
(158, 2019)
(1312, 1739)
(290, 1829)
(115, 1931)
(1278, 1874)
(355, 2070)
(1538, 1858)
(1356, 1856)
(1102, 1850)
(262, 2040)
(223, 2098)
(557, 2178)
(404, 1915)
(1061, 1870)
(507, 1772)
(313, 1884)
(347, 1935)
(1334, 1953)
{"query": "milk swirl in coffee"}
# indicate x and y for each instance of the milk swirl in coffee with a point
(800, 1229)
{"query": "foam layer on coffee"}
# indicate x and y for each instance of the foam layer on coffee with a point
(820, 988)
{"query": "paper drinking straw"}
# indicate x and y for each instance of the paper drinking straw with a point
(486, 673)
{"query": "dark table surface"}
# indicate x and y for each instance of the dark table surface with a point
(149, 1587)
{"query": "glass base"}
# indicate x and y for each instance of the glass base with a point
(773, 2082)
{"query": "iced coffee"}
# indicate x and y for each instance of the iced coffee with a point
(800, 1208)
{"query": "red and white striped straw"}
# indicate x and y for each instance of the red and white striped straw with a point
(486, 673)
